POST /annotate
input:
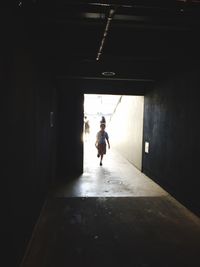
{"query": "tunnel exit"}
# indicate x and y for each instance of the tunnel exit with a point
(124, 124)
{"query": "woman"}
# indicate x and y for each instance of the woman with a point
(102, 138)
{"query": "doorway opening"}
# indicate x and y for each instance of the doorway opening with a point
(124, 125)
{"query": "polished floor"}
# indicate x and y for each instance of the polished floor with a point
(113, 215)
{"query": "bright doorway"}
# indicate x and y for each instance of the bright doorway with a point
(124, 124)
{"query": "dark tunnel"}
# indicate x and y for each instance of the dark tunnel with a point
(52, 54)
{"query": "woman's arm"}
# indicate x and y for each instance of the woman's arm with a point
(108, 142)
(97, 140)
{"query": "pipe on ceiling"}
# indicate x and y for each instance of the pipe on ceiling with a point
(109, 19)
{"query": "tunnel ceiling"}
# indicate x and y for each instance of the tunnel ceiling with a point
(134, 39)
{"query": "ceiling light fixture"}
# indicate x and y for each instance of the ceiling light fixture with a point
(108, 73)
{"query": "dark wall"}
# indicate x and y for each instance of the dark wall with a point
(70, 120)
(171, 126)
(28, 142)
(106, 86)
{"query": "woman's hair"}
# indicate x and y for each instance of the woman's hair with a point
(103, 119)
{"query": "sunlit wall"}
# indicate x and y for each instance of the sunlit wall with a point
(126, 129)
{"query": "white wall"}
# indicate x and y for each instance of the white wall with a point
(126, 129)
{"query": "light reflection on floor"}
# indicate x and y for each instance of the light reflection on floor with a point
(117, 177)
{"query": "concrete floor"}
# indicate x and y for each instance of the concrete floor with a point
(116, 178)
(113, 216)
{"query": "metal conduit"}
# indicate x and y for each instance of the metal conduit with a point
(109, 19)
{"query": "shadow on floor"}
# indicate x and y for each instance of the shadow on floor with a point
(139, 231)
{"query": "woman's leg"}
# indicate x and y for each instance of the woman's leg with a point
(101, 158)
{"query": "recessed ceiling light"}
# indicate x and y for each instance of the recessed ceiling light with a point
(108, 73)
